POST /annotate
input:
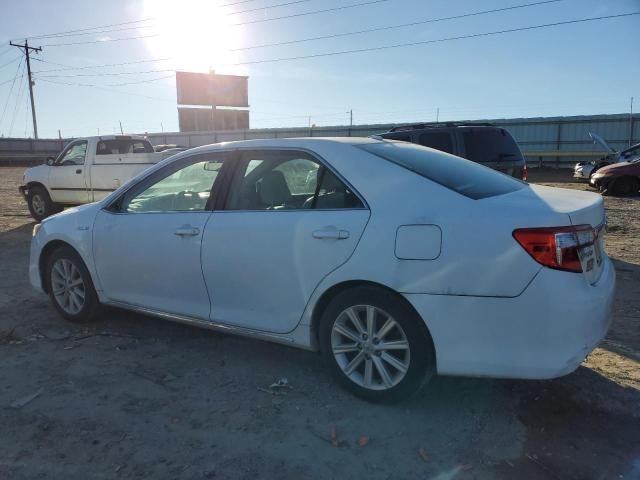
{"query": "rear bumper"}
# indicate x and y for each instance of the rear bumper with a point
(546, 332)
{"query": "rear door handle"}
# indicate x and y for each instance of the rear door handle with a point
(187, 231)
(79, 171)
(332, 234)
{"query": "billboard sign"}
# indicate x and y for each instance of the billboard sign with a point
(211, 89)
(208, 119)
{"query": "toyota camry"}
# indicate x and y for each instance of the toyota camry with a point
(395, 261)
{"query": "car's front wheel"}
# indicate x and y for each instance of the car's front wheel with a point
(40, 204)
(626, 186)
(70, 286)
(375, 345)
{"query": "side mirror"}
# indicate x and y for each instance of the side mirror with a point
(50, 161)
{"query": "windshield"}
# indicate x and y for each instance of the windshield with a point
(463, 176)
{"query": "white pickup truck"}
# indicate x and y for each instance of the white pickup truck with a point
(87, 170)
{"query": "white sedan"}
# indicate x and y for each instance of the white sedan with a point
(394, 260)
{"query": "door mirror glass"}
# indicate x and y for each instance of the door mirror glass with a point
(50, 161)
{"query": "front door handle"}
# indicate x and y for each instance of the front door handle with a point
(187, 231)
(331, 234)
(79, 171)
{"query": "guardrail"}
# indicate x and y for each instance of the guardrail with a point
(562, 158)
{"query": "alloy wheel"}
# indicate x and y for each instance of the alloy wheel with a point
(370, 347)
(38, 204)
(68, 286)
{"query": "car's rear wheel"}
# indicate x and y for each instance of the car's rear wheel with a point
(40, 204)
(626, 186)
(375, 345)
(70, 286)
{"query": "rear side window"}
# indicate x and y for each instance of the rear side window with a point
(490, 145)
(467, 178)
(123, 146)
(287, 180)
(438, 140)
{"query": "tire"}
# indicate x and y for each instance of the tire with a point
(40, 204)
(68, 280)
(341, 352)
(626, 186)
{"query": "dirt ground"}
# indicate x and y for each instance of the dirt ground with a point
(136, 397)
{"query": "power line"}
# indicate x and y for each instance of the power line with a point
(314, 12)
(7, 81)
(109, 84)
(90, 67)
(10, 91)
(391, 27)
(268, 7)
(439, 40)
(10, 62)
(249, 22)
(107, 74)
(368, 49)
(100, 87)
(15, 108)
(62, 33)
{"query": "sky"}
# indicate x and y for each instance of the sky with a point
(577, 69)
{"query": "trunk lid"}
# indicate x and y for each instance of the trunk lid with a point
(540, 206)
(582, 208)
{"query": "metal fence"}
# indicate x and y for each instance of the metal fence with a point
(550, 141)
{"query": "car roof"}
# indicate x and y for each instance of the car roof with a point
(299, 142)
(439, 126)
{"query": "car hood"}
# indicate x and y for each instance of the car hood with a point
(39, 173)
(600, 141)
(621, 167)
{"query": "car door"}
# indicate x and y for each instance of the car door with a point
(289, 220)
(67, 183)
(147, 243)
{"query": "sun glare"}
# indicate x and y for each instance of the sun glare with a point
(196, 35)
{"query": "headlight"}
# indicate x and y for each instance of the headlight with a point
(36, 229)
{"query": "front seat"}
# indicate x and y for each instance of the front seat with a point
(273, 189)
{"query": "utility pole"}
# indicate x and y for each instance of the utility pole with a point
(631, 123)
(121, 132)
(351, 118)
(27, 50)
(437, 115)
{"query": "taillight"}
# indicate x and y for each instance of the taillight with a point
(524, 174)
(556, 247)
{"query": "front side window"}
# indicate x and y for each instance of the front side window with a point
(182, 190)
(286, 180)
(74, 155)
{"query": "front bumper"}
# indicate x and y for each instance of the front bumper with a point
(601, 183)
(546, 332)
(34, 262)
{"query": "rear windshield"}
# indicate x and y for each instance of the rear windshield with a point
(467, 178)
(490, 145)
(123, 146)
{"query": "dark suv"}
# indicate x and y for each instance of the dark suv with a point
(481, 142)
